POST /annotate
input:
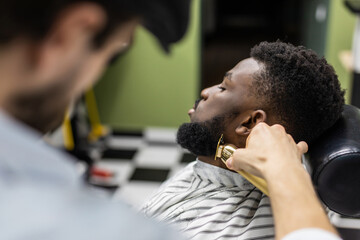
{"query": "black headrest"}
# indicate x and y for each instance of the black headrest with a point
(334, 164)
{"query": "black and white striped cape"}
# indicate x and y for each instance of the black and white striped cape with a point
(208, 202)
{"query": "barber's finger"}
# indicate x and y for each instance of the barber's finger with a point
(303, 147)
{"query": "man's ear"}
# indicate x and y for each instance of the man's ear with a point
(249, 122)
(68, 39)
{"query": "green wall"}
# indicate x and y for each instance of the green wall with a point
(313, 32)
(339, 37)
(146, 87)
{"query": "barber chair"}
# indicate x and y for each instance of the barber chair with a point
(333, 162)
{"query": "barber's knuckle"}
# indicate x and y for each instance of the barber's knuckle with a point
(278, 127)
(259, 128)
(261, 124)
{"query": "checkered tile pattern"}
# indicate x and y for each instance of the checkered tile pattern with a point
(141, 162)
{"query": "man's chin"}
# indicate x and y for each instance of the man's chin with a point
(197, 138)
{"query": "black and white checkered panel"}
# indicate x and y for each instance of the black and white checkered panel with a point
(141, 162)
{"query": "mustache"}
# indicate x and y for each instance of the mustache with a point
(197, 103)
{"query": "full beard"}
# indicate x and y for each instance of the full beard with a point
(201, 138)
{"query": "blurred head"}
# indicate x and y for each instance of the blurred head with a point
(281, 84)
(52, 51)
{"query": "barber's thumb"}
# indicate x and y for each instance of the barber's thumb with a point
(230, 163)
(234, 162)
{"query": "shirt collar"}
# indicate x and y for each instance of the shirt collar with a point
(220, 176)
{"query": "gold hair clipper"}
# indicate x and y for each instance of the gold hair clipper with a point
(224, 152)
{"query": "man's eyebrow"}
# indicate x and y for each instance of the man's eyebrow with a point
(228, 75)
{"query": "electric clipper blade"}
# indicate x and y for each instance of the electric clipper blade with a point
(225, 151)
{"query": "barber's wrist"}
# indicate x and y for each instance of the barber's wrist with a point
(286, 175)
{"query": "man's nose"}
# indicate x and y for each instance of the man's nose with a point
(206, 92)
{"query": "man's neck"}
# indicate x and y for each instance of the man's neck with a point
(212, 161)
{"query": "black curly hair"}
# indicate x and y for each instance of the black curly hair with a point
(301, 88)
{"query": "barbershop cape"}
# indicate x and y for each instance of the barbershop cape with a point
(208, 202)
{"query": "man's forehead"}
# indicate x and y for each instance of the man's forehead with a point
(247, 66)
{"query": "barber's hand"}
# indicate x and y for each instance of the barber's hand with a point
(269, 151)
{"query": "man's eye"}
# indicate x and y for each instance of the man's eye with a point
(221, 88)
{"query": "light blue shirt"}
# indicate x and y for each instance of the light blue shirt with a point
(42, 196)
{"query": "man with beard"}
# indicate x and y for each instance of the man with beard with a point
(51, 51)
(279, 84)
